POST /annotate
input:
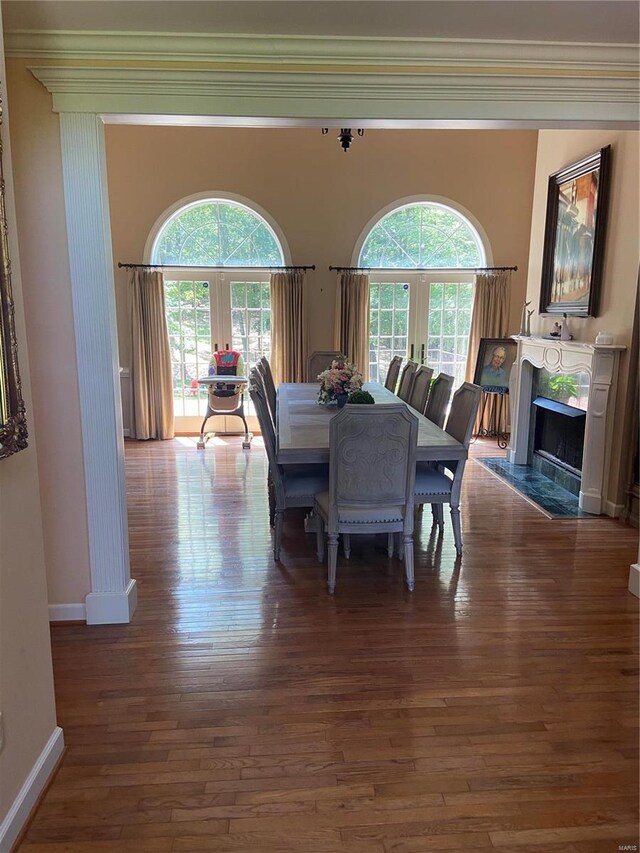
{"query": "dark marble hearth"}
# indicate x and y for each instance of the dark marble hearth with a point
(550, 496)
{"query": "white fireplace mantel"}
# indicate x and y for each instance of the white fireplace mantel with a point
(556, 356)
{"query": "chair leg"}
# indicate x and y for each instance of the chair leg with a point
(333, 559)
(278, 534)
(346, 544)
(400, 544)
(408, 562)
(272, 501)
(320, 538)
(390, 544)
(457, 529)
(438, 516)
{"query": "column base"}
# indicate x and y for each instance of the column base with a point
(590, 503)
(634, 579)
(112, 608)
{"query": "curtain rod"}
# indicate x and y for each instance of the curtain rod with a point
(422, 269)
(207, 267)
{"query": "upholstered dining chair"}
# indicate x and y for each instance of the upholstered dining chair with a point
(406, 380)
(420, 388)
(287, 488)
(433, 484)
(320, 360)
(264, 368)
(372, 468)
(436, 410)
(392, 374)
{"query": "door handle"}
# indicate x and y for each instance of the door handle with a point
(411, 352)
(422, 354)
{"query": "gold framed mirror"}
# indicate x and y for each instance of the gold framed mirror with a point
(13, 424)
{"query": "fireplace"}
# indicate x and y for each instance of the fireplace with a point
(562, 395)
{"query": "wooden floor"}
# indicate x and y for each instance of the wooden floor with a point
(244, 709)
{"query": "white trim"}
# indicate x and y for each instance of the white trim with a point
(634, 579)
(112, 608)
(94, 316)
(496, 55)
(214, 195)
(34, 785)
(416, 199)
(613, 509)
(67, 613)
(550, 100)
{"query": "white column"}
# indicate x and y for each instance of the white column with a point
(113, 593)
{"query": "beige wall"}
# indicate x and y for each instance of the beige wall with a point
(26, 683)
(47, 292)
(320, 197)
(559, 148)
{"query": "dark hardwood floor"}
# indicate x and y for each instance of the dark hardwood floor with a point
(246, 710)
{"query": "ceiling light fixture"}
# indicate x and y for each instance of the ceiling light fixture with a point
(345, 137)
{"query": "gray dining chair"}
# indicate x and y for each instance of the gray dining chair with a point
(320, 360)
(406, 380)
(392, 374)
(436, 410)
(420, 388)
(433, 483)
(264, 368)
(372, 469)
(287, 488)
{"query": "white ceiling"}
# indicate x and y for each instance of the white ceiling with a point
(603, 21)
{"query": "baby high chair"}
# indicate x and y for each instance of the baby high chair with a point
(225, 391)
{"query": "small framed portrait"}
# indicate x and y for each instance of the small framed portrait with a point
(574, 237)
(494, 363)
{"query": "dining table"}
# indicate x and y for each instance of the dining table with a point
(302, 427)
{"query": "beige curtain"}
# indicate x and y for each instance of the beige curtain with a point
(352, 319)
(288, 326)
(152, 392)
(490, 319)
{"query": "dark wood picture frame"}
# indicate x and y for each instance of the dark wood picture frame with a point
(574, 236)
(498, 383)
(13, 425)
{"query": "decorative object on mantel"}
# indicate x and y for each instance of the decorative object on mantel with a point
(565, 335)
(556, 331)
(524, 323)
(574, 237)
(604, 339)
(528, 329)
(337, 382)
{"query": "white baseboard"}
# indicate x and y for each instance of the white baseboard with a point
(126, 432)
(112, 608)
(614, 510)
(67, 613)
(34, 785)
(634, 579)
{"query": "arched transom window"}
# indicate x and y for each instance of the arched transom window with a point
(422, 234)
(209, 308)
(217, 232)
(425, 315)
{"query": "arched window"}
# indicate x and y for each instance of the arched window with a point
(424, 314)
(208, 308)
(217, 232)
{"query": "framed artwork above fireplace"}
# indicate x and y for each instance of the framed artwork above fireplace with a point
(574, 237)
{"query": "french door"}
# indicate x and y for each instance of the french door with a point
(424, 316)
(209, 310)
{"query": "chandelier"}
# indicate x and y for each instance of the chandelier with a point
(345, 137)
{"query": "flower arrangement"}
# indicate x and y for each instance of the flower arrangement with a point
(338, 380)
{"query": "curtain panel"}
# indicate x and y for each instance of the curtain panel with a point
(489, 319)
(288, 326)
(352, 319)
(152, 390)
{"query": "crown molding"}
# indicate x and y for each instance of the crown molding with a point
(343, 51)
(335, 95)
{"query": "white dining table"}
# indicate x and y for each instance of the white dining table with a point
(303, 427)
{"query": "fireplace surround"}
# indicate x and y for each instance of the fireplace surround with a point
(600, 363)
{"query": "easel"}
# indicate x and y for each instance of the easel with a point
(489, 408)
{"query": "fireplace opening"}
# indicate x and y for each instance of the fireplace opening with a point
(558, 433)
